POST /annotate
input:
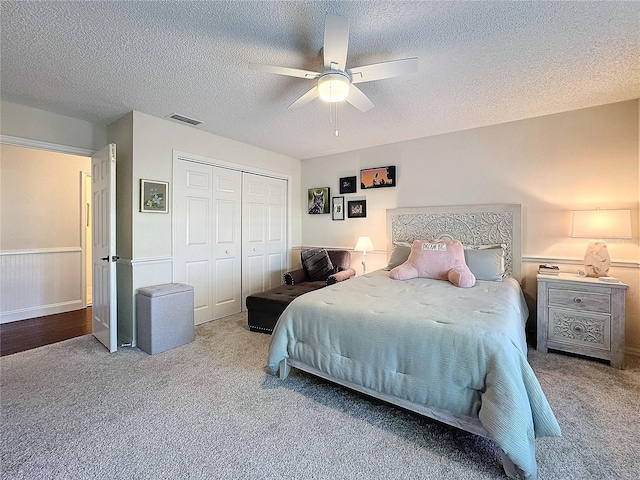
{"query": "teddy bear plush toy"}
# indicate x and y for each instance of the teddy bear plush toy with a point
(437, 259)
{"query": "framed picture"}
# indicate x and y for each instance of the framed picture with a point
(337, 208)
(318, 200)
(154, 196)
(378, 177)
(357, 209)
(348, 184)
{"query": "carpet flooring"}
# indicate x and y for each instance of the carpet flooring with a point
(210, 410)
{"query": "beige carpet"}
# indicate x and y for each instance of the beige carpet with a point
(210, 410)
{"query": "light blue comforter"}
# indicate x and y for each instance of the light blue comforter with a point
(430, 343)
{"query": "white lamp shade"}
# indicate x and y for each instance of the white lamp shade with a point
(601, 224)
(363, 245)
(333, 87)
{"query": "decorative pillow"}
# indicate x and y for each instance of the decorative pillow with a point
(438, 259)
(317, 264)
(399, 255)
(486, 262)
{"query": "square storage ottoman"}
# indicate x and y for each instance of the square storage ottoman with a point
(165, 317)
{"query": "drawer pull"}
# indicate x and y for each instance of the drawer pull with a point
(577, 300)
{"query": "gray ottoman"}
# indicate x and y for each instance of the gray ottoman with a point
(164, 316)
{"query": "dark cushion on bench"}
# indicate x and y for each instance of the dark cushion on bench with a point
(264, 308)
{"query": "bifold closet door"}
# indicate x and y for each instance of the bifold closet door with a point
(207, 210)
(264, 233)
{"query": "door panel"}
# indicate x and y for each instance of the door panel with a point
(197, 221)
(277, 265)
(192, 214)
(225, 291)
(276, 223)
(103, 258)
(263, 233)
(197, 273)
(228, 243)
(207, 207)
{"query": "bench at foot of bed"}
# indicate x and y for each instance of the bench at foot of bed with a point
(264, 308)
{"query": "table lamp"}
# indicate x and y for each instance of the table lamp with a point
(597, 225)
(363, 245)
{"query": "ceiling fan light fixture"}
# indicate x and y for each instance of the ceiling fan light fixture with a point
(333, 87)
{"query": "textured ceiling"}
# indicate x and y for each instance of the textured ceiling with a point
(480, 63)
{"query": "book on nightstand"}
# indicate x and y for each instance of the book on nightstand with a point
(548, 269)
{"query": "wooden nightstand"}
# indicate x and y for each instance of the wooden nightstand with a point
(581, 315)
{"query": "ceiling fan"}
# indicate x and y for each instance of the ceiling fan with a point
(336, 82)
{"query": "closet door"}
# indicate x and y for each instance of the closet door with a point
(227, 245)
(264, 233)
(207, 202)
(276, 245)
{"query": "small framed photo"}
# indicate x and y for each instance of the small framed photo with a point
(348, 185)
(154, 196)
(337, 208)
(319, 200)
(378, 177)
(357, 209)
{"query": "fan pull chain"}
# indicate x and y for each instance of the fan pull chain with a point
(333, 115)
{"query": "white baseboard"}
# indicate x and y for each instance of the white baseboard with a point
(41, 311)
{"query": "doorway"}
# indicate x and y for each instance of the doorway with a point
(43, 228)
(85, 225)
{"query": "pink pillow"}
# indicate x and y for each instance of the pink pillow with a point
(438, 259)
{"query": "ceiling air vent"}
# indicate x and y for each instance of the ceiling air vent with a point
(184, 119)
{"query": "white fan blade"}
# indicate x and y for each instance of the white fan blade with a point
(306, 98)
(289, 72)
(336, 42)
(379, 71)
(359, 99)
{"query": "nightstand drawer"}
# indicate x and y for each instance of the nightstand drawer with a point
(583, 301)
(579, 328)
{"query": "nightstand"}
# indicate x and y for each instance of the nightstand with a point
(581, 315)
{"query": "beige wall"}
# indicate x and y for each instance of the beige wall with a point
(31, 123)
(155, 140)
(574, 160)
(42, 218)
(40, 198)
(146, 147)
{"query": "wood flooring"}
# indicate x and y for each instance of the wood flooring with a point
(36, 332)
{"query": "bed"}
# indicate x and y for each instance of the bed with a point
(457, 355)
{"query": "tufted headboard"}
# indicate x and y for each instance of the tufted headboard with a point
(471, 224)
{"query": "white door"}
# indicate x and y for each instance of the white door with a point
(264, 217)
(276, 246)
(103, 258)
(227, 245)
(207, 202)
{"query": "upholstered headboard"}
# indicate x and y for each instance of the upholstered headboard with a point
(471, 224)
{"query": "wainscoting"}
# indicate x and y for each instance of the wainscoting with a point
(40, 282)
